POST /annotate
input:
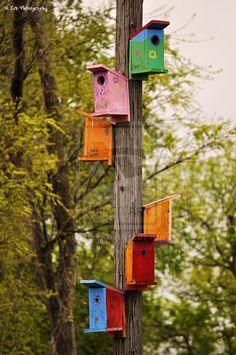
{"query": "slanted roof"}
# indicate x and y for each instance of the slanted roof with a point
(143, 237)
(98, 284)
(172, 197)
(95, 119)
(101, 68)
(93, 283)
(152, 25)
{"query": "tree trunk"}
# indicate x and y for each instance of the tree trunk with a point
(63, 332)
(231, 225)
(18, 45)
(128, 177)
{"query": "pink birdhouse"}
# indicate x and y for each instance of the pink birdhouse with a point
(111, 93)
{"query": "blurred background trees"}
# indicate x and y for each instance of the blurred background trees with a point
(192, 310)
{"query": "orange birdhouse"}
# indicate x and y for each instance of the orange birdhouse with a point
(97, 139)
(157, 219)
(140, 255)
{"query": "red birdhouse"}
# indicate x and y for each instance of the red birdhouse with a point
(157, 219)
(97, 139)
(140, 255)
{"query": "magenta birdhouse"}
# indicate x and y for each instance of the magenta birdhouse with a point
(111, 93)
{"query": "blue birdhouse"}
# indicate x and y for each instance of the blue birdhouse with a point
(106, 308)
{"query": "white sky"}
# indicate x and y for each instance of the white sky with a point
(214, 27)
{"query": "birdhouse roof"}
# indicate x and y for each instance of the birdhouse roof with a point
(172, 197)
(152, 25)
(144, 237)
(101, 68)
(99, 120)
(98, 284)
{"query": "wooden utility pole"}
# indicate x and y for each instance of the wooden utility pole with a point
(128, 176)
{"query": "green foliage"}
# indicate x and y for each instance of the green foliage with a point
(192, 310)
(23, 146)
(23, 318)
(27, 164)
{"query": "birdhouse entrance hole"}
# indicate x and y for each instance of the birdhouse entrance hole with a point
(111, 94)
(149, 42)
(140, 262)
(155, 40)
(101, 80)
(106, 308)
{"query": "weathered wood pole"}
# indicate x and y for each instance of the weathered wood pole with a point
(128, 176)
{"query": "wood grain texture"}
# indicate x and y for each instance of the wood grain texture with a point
(97, 140)
(110, 89)
(140, 253)
(157, 220)
(115, 312)
(128, 177)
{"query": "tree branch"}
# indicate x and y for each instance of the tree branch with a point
(91, 187)
(93, 208)
(182, 158)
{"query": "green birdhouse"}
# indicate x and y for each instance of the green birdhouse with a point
(146, 51)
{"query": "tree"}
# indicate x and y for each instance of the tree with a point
(200, 318)
(29, 167)
(20, 306)
(50, 218)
